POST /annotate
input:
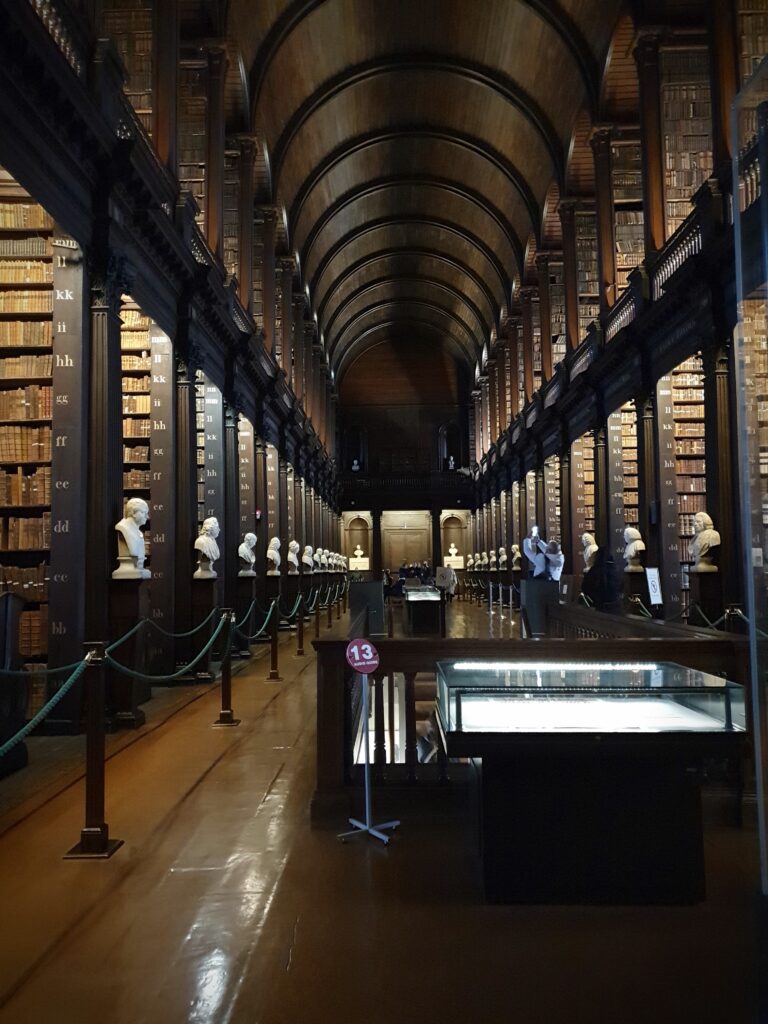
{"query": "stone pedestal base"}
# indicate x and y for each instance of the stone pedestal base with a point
(205, 597)
(635, 585)
(246, 595)
(706, 596)
(128, 603)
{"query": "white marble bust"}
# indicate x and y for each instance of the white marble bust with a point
(503, 558)
(131, 550)
(358, 552)
(246, 555)
(705, 540)
(478, 561)
(453, 550)
(634, 550)
(273, 557)
(207, 549)
(317, 559)
(516, 557)
(484, 564)
(492, 563)
(324, 560)
(470, 561)
(590, 549)
(343, 563)
(307, 563)
(293, 558)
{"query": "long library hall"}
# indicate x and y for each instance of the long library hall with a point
(384, 510)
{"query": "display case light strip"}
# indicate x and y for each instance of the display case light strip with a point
(557, 666)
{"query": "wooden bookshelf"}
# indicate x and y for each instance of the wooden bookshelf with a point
(552, 499)
(26, 366)
(129, 24)
(627, 187)
(536, 340)
(200, 444)
(192, 128)
(557, 303)
(630, 469)
(690, 459)
(136, 400)
(686, 112)
(587, 276)
(753, 35)
(232, 210)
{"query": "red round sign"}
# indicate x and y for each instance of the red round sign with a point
(362, 656)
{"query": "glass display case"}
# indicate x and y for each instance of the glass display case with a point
(423, 609)
(589, 774)
(558, 697)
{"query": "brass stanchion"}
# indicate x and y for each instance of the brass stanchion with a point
(94, 838)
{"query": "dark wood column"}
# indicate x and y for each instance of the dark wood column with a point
(647, 59)
(262, 526)
(186, 492)
(297, 377)
(231, 525)
(245, 253)
(286, 316)
(319, 531)
(545, 315)
(376, 563)
(164, 60)
(722, 489)
(567, 211)
(606, 233)
(268, 277)
(541, 515)
(526, 298)
(648, 488)
(514, 370)
(282, 500)
(309, 367)
(566, 511)
(104, 481)
(502, 355)
(723, 40)
(214, 206)
(493, 399)
(299, 529)
(601, 487)
(477, 425)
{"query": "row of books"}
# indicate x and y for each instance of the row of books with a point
(34, 402)
(137, 384)
(29, 583)
(13, 367)
(136, 428)
(32, 333)
(690, 447)
(25, 444)
(25, 215)
(29, 272)
(33, 632)
(141, 362)
(18, 533)
(25, 301)
(134, 318)
(691, 466)
(34, 245)
(693, 501)
(136, 404)
(37, 688)
(136, 453)
(136, 479)
(20, 488)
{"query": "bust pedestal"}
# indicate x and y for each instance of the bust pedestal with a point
(515, 575)
(205, 597)
(635, 584)
(246, 594)
(707, 593)
(128, 603)
(291, 588)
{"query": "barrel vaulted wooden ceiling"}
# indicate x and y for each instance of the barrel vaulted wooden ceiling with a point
(413, 145)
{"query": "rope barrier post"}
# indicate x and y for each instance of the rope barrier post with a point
(274, 624)
(226, 714)
(317, 616)
(338, 602)
(300, 628)
(329, 606)
(94, 837)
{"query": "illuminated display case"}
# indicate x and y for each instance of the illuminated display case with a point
(423, 610)
(589, 774)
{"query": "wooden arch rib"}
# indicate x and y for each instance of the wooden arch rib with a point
(488, 77)
(363, 342)
(401, 134)
(483, 328)
(370, 188)
(547, 10)
(397, 251)
(443, 225)
(403, 302)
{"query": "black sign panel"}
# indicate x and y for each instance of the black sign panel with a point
(162, 512)
(213, 407)
(273, 490)
(246, 476)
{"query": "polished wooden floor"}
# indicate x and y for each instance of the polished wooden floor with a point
(224, 906)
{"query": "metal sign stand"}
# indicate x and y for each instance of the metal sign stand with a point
(359, 827)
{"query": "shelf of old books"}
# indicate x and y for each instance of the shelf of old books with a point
(192, 130)
(26, 366)
(136, 398)
(200, 444)
(752, 35)
(557, 305)
(586, 260)
(536, 338)
(627, 186)
(690, 459)
(552, 498)
(686, 111)
(630, 470)
(232, 210)
(129, 24)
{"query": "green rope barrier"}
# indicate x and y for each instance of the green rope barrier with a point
(33, 723)
(126, 636)
(259, 632)
(174, 675)
(247, 615)
(292, 614)
(311, 607)
(17, 673)
(740, 615)
(189, 632)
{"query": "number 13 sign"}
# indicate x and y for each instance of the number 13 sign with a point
(362, 656)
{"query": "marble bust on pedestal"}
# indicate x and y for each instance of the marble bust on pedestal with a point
(453, 550)
(131, 550)
(207, 549)
(634, 551)
(307, 563)
(317, 559)
(516, 557)
(492, 564)
(590, 549)
(470, 561)
(503, 558)
(706, 541)
(246, 555)
(273, 557)
(324, 560)
(293, 558)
